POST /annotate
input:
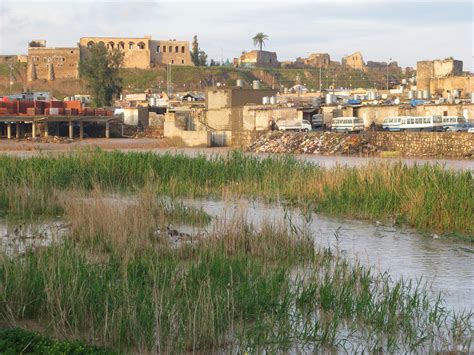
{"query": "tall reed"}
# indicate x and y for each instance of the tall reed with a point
(119, 284)
(427, 197)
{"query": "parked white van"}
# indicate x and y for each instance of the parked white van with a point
(347, 124)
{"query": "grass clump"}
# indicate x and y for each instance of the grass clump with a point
(427, 197)
(20, 341)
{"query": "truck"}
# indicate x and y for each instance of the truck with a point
(293, 125)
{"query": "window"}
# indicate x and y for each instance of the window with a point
(445, 113)
(121, 45)
(170, 49)
(158, 49)
(141, 45)
(182, 61)
(182, 49)
(164, 49)
(110, 45)
(130, 45)
(90, 44)
(172, 61)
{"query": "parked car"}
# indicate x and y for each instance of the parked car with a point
(471, 130)
(293, 125)
(459, 127)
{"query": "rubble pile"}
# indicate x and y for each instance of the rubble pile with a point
(49, 139)
(314, 143)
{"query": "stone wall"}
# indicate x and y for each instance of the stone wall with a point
(170, 52)
(259, 59)
(354, 61)
(53, 63)
(136, 50)
(425, 144)
(318, 60)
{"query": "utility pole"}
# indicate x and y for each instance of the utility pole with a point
(387, 71)
(320, 82)
(11, 77)
(168, 81)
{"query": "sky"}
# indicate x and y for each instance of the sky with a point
(406, 31)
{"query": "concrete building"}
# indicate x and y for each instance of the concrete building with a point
(142, 52)
(50, 63)
(258, 59)
(355, 61)
(224, 106)
(427, 70)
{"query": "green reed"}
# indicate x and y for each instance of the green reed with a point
(427, 197)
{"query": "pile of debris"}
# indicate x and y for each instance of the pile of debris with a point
(324, 143)
(49, 139)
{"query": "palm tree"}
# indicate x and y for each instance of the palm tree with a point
(259, 39)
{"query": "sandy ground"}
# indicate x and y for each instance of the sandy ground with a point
(26, 148)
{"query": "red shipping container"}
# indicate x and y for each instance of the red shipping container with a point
(57, 104)
(61, 111)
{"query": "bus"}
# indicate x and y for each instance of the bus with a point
(421, 123)
(347, 124)
(392, 124)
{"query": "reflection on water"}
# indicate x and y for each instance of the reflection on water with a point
(16, 238)
(447, 267)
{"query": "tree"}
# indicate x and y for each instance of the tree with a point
(195, 51)
(198, 56)
(259, 40)
(202, 59)
(101, 71)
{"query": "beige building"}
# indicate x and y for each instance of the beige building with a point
(428, 71)
(170, 52)
(143, 52)
(49, 63)
(355, 61)
(224, 106)
(256, 59)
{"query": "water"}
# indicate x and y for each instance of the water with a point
(447, 267)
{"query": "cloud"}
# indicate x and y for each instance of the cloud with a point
(404, 30)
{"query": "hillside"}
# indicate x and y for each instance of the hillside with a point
(196, 78)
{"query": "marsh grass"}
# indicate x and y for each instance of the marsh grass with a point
(241, 288)
(427, 197)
